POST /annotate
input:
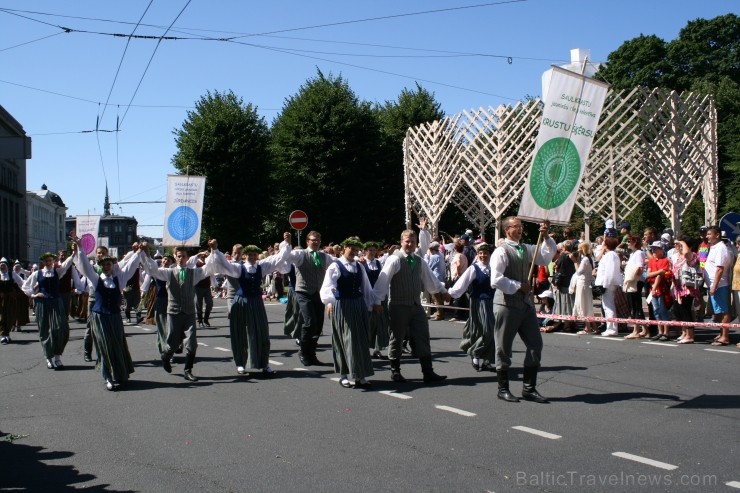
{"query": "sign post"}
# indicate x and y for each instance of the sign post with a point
(298, 220)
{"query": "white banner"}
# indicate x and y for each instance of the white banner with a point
(184, 210)
(87, 231)
(569, 121)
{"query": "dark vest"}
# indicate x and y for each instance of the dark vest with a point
(250, 285)
(133, 284)
(348, 283)
(65, 282)
(161, 289)
(309, 278)
(372, 275)
(481, 286)
(516, 269)
(180, 297)
(48, 285)
(107, 300)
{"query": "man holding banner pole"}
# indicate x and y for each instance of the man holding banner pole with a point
(513, 306)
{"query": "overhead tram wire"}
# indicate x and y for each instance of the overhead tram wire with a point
(128, 106)
(32, 41)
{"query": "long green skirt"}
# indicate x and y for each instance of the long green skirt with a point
(293, 319)
(250, 334)
(53, 326)
(379, 332)
(477, 338)
(114, 359)
(350, 326)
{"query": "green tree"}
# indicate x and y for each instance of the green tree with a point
(705, 58)
(412, 108)
(324, 143)
(227, 142)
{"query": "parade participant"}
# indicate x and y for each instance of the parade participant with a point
(114, 359)
(87, 339)
(477, 339)
(436, 262)
(248, 328)
(9, 281)
(237, 254)
(203, 296)
(132, 295)
(514, 308)
(717, 270)
(405, 274)
(22, 303)
(348, 296)
(43, 287)
(181, 280)
(379, 336)
(160, 306)
(66, 283)
(293, 323)
(311, 265)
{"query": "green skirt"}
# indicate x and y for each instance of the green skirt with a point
(350, 326)
(53, 326)
(477, 338)
(293, 319)
(114, 359)
(250, 334)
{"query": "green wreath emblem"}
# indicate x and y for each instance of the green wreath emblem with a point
(555, 172)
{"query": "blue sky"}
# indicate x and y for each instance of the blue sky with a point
(60, 59)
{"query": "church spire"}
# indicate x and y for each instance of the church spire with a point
(106, 204)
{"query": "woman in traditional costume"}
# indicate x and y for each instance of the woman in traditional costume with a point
(379, 334)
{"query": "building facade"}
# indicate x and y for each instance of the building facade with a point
(46, 225)
(15, 149)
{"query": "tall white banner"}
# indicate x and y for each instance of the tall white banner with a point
(87, 231)
(569, 121)
(184, 210)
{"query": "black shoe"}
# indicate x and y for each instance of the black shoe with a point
(179, 349)
(534, 396)
(200, 324)
(166, 363)
(87, 357)
(655, 337)
(487, 367)
(363, 385)
(305, 361)
(507, 396)
(431, 377)
(205, 322)
(188, 374)
(315, 361)
(397, 377)
(475, 366)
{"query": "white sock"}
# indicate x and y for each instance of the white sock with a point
(475, 361)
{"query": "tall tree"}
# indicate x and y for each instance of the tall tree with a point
(226, 141)
(324, 143)
(412, 108)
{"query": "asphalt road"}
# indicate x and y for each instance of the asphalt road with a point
(624, 416)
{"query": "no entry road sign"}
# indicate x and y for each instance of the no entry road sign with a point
(298, 220)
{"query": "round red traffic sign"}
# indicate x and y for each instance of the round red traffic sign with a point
(298, 220)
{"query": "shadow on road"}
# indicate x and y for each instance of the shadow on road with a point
(705, 401)
(24, 469)
(615, 397)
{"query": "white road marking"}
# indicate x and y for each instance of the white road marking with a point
(395, 394)
(455, 410)
(612, 338)
(722, 351)
(276, 363)
(222, 349)
(645, 460)
(201, 344)
(303, 369)
(336, 379)
(734, 484)
(565, 334)
(661, 344)
(146, 329)
(540, 433)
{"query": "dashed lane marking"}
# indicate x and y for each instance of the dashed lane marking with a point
(395, 394)
(734, 484)
(202, 344)
(455, 410)
(276, 363)
(612, 338)
(145, 329)
(661, 344)
(722, 351)
(645, 460)
(564, 334)
(539, 433)
(222, 349)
